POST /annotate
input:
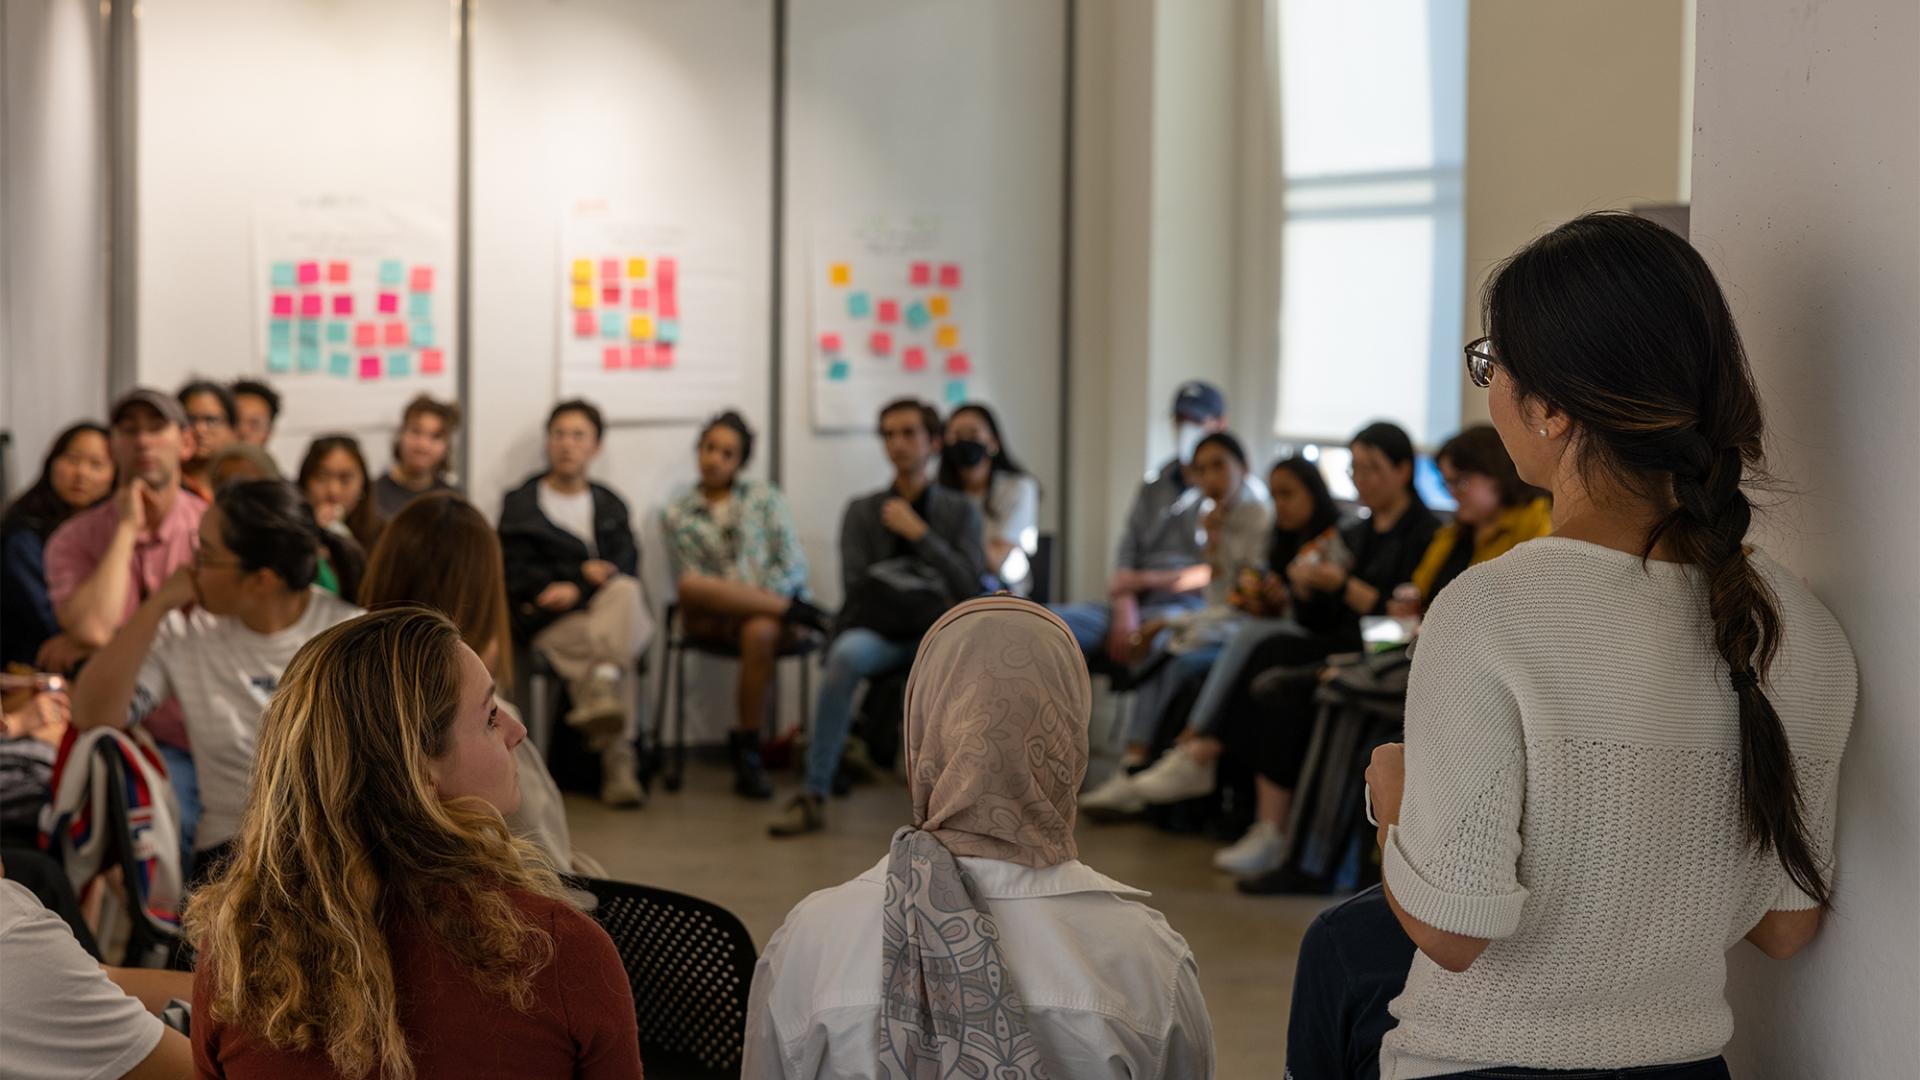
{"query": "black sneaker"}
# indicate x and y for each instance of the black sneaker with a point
(1286, 881)
(802, 613)
(749, 776)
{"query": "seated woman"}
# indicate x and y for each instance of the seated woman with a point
(1497, 512)
(1236, 529)
(975, 462)
(333, 477)
(377, 917)
(440, 553)
(78, 473)
(741, 577)
(909, 969)
(422, 454)
(342, 560)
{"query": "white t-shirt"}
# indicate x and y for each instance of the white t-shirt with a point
(1010, 512)
(223, 674)
(574, 513)
(61, 1018)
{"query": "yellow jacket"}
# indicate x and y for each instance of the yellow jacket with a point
(1515, 526)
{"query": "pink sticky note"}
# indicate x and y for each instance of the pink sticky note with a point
(640, 355)
(432, 362)
(389, 303)
(610, 268)
(920, 274)
(914, 359)
(829, 343)
(396, 333)
(666, 272)
(421, 280)
(282, 304)
(369, 367)
(641, 298)
(949, 275)
(310, 306)
(343, 304)
(889, 311)
(365, 335)
(881, 343)
(336, 272)
(584, 324)
(663, 355)
(309, 273)
(669, 302)
(614, 358)
(611, 294)
(957, 364)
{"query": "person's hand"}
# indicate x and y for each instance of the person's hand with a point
(598, 571)
(1273, 592)
(327, 514)
(1401, 607)
(1120, 637)
(1124, 583)
(61, 653)
(179, 590)
(1318, 576)
(1387, 781)
(559, 596)
(898, 516)
(130, 502)
(44, 710)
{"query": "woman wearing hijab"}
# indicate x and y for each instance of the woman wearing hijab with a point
(981, 946)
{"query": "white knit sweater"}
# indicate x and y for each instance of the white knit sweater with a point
(1573, 793)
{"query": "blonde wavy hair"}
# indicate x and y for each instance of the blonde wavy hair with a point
(344, 835)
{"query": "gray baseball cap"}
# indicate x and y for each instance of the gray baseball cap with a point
(165, 404)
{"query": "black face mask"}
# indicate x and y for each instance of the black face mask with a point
(966, 453)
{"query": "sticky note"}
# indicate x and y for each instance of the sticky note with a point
(309, 273)
(395, 333)
(881, 343)
(949, 275)
(839, 371)
(365, 334)
(613, 358)
(914, 358)
(610, 293)
(669, 302)
(432, 362)
(920, 274)
(420, 305)
(957, 364)
(957, 392)
(280, 357)
(612, 325)
(917, 317)
(282, 304)
(421, 280)
(636, 268)
(389, 303)
(280, 331)
(937, 307)
(336, 273)
(584, 324)
(421, 333)
(640, 327)
(369, 367)
(310, 306)
(609, 268)
(284, 276)
(582, 271)
(399, 364)
(839, 274)
(889, 311)
(641, 298)
(829, 343)
(858, 306)
(309, 332)
(641, 355)
(309, 358)
(343, 304)
(392, 272)
(667, 272)
(583, 296)
(338, 333)
(669, 331)
(947, 337)
(340, 364)
(663, 355)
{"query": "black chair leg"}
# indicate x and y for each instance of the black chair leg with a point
(655, 757)
(676, 773)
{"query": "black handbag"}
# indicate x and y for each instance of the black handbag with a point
(899, 599)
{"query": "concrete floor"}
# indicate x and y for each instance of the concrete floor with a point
(706, 842)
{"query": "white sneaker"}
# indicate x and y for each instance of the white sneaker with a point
(1256, 853)
(1113, 799)
(1176, 777)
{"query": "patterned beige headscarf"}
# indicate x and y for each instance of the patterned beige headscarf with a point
(996, 745)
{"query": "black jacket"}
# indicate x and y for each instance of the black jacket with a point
(952, 545)
(539, 553)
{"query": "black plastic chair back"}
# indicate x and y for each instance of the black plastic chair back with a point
(690, 963)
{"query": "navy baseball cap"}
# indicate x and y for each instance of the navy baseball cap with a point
(1199, 402)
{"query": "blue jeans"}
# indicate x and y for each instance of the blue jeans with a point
(853, 657)
(1230, 669)
(186, 791)
(1091, 622)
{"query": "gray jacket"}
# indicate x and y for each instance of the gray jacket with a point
(951, 547)
(1164, 531)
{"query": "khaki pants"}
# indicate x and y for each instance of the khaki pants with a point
(615, 629)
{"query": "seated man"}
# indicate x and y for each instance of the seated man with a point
(256, 408)
(1161, 569)
(914, 533)
(573, 585)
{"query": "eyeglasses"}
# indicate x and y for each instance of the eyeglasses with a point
(202, 562)
(1480, 362)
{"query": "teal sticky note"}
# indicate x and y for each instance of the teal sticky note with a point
(668, 332)
(399, 364)
(340, 364)
(917, 316)
(957, 392)
(420, 305)
(839, 371)
(280, 332)
(280, 357)
(858, 306)
(309, 332)
(392, 273)
(309, 357)
(284, 275)
(422, 333)
(613, 326)
(338, 333)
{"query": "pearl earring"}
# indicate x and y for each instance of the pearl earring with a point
(1543, 433)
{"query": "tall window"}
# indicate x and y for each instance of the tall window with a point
(1373, 133)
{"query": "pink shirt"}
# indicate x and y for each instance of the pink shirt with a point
(75, 549)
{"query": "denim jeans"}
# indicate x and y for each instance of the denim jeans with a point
(1091, 622)
(854, 656)
(1157, 691)
(1230, 669)
(186, 791)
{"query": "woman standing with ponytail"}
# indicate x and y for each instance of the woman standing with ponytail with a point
(1623, 741)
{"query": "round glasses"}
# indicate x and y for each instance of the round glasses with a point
(1480, 362)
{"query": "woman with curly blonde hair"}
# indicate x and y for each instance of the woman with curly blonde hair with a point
(377, 918)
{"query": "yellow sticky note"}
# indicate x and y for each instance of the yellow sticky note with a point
(840, 274)
(640, 327)
(583, 296)
(947, 337)
(582, 271)
(636, 268)
(937, 306)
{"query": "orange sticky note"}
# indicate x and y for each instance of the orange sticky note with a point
(947, 337)
(914, 359)
(881, 343)
(366, 335)
(582, 271)
(840, 274)
(396, 333)
(336, 272)
(957, 364)
(640, 327)
(583, 296)
(636, 268)
(937, 306)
